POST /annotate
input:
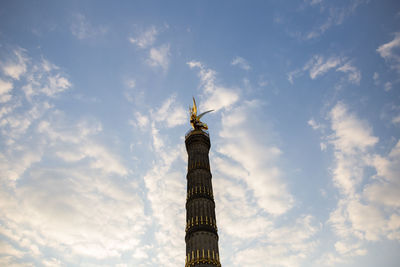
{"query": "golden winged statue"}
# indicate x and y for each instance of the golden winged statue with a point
(195, 120)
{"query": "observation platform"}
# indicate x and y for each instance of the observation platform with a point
(195, 132)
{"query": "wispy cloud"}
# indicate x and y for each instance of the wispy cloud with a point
(81, 28)
(257, 193)
(314, 2)
(170, 113)
(334, 16)
(354, 75)
(396, 120)
(314, 124)
(352, 137)
(130, 83)
(166, 197)
(91, 214)
(159, 57)
(389, 52)
(5, 89)
(318, 66)
(141, 121)
(286, 246)
(388, 86)
(359, 216)
(375, 77)
(217, 96)
(15, 65)
(263, 179)
(146, 38)
(38, 79)
(46, 79)
(167, 210)
(241, 63)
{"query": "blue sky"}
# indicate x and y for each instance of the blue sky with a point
(305, 154)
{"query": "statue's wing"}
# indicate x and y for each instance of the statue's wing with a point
(204, 113)
(194, 107)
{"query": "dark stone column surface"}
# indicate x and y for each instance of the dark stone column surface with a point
(201, 224)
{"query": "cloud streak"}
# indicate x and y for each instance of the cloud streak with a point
(217, 97)
(250, 189)
(82, 29)
(146, 38)
(318, 66)
(334, 16)
(159, 57)
(241, 63)
(62, 191)
(367, 208)
(388, 52)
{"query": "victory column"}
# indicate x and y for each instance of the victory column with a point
(201, 226)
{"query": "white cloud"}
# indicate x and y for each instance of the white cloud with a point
(14, 163)
(40, 78)
(207, 76)
(317, 66)
(5, 88)
(376, 78)
(17, 65)
(81, 28)
(241, 63)
(263, 178)
(250, 189)
(349, 248)
(284, 246)
(131, 83)
(216, 97)
(351, 139)
(329, 259)
(367, 207)
(158, 142)
(220, 98)
(96, 155)
(314, 2)
(367, 220)
(388, 86)
(166, 196)
(389, 52)
(57, 84)
(323, 146)
(293, 74)
(141, 120)
(396, 119)
(314, 124)
(351, 133)
(170, 113)
(159, 57)
(262, 82)
(236, 215)
(61, 189)
(45, 78)
(167, 199)
(7, 249)
(334, 16)
(354, 75)
(385, 190)
(89, 215)
(146, 38)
